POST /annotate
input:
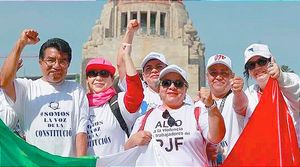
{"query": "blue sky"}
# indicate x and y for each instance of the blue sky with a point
(224, 27)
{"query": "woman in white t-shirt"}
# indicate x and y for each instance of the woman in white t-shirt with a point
(105, 131)
(260, 65)
(176, 135)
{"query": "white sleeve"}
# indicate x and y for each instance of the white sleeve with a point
(83, 112)
(122, 84)
(290, 87)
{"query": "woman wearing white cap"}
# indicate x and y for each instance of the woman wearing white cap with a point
(260, 65)
(176, 133)
(107, 123)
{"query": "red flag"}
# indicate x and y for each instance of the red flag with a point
(269, 139)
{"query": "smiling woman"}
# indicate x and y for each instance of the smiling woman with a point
(174, 129)
(260, 65)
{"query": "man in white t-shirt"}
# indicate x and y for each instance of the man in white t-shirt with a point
(151, 66)
(52, 111)
(7, 115)
(227, 91)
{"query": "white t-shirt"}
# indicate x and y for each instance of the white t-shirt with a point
(289, 84)
(105, 135)
(51, 115)
(7, 115)
(179, 145)
(234, 124)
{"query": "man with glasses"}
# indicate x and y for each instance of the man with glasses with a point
(52, 111)
(151, 66)
(227, 93)
(175, 136)
(260, 65)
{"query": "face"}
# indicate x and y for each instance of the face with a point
(99, 80)
(151, 71)
(218, 77)
(172, 90)
(54, 65)
(257, 68)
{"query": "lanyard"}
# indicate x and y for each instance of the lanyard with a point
(223, 101)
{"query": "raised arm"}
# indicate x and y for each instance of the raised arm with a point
(134, 94)
(11, 64)
(240, 100)
(216, 125)
(132, 27)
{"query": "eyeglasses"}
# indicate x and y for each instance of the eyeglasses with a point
(250, 65)
(171, 121)
(224, 74)
(177, 83)
(102, 73)
(52, 62)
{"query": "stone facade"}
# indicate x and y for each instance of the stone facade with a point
(165, 28)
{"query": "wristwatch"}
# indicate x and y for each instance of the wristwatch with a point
(211, 107)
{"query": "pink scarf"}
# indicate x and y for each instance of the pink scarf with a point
(98, 99)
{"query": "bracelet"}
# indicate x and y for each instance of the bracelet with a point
(211, 107)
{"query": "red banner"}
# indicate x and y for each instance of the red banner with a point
(269, 139)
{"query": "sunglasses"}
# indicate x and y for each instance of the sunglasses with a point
(102, 73)
(171, 121)
(224, 74)
(250, 65)
(177, 83)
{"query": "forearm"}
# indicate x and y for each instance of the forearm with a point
(216, 125)
(128, 38)
(81, 144)
(130, 143)
(134, 94)
(240, 102)
(10, 65)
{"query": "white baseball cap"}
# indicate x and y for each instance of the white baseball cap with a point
(173, 68)
(257, 50)
(219, 59)
(154, 55)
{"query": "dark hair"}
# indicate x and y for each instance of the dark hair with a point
(59, 44)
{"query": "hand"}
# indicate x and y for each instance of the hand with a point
(205, 96)
(211, 151)
(138, 139)
(20, 64)
(237, 84)
(29, 36)
(126, 49)
(133, 25)
(273, 69)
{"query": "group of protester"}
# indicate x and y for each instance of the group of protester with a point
(156, 112)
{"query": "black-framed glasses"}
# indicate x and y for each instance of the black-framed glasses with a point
(250, 65)
(101, 73)
(214, 73)
(171, 121)
(177, 83)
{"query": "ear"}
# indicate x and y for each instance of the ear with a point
(143, 75)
